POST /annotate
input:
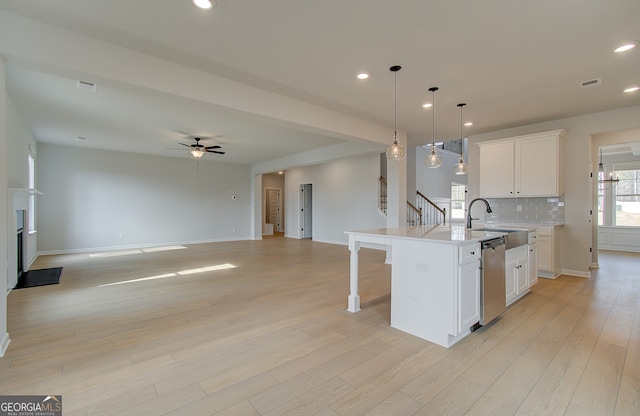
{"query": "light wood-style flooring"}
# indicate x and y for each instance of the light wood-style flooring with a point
(271, 336)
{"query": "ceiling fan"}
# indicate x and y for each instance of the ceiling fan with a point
(198, 150)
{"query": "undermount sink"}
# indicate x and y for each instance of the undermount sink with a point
(514, 238)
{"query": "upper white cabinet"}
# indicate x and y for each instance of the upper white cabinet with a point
(523, 166)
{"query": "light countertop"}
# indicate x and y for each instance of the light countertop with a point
(451, 234)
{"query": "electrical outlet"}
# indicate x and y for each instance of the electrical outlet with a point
(121, 236)
(519, 208)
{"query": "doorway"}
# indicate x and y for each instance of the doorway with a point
(306, 210)
(273, 212)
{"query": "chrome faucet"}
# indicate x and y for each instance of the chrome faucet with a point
(469, 219)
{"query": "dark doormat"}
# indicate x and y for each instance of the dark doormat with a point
(39, 277)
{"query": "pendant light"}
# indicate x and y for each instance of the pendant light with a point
(601, 165)
(433, 160)
(461, 168)
(395, 152)
(608, 183)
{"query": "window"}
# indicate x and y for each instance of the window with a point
(458, 195)
(32, 197)
(619, 203)
(627, 198)
(601, 200)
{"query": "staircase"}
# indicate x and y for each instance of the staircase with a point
(425, 212)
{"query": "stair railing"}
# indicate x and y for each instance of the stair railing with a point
(414, 214)
(382, 191)
(432, 213)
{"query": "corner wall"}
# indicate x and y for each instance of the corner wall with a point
(345, 197)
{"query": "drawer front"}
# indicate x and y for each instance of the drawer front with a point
(548, 231)
(533, 237)
(469, 253)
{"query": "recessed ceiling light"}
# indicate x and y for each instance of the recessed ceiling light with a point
(625, 47)
(363, 75)
(468, 124)
(427, 105)
(632, 89)
(204, 4)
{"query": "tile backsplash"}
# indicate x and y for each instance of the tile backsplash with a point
(526, 210)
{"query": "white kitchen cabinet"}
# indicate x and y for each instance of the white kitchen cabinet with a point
(497, 169)
(548, 242)
(468, 287)
(533, 263)
(523, 166)
(516, 264)
(435, 289)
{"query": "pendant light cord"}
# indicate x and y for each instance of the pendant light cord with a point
(461, 105)
(433, 117)
(395, 106)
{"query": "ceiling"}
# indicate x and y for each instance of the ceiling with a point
(513, 63)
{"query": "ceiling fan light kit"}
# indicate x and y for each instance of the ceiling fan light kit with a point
(198, 150)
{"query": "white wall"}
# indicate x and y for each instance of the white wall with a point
(20, 144)
(577, 165)
(4, 335)
(100, 199)
(436, 183)
(345, 197)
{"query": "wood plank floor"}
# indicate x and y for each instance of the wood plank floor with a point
(261, 328)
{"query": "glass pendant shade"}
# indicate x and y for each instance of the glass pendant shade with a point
(396, 152)
(461, 168)
(197, 153)
(433, 160)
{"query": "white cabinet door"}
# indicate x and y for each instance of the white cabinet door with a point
(545, 253)
(522, 276)
(537, 166)
(516, 263)
(533, 264)
(510, 266)
(523, 166)
(468, 295)
(497, 170)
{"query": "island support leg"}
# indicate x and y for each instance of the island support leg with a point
(354, 298)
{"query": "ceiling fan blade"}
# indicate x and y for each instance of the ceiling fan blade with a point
(213, 147)
(215, 151)
(188, 145)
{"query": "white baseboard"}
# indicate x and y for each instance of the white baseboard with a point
(5, 344)
(135, 247)
(577, 273)
(548, 275)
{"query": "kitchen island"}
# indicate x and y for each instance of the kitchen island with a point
(435, 278)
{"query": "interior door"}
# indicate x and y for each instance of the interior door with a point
(306, 210)
(273, 208)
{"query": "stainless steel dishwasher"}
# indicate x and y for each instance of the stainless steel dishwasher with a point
(492, 290)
